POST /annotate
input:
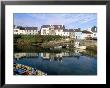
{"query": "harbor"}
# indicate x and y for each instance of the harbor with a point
(55, 62)
(66, 46)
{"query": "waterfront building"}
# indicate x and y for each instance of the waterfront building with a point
(77, 34)
(66, 32)
(86, 34)
(90, 33)
(94, 31)
(19, 30)
(56, 30)
(52, 30)
(71, 33)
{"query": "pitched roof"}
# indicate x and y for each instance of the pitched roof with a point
(77, 30)
(45, 26)
(66, 30)
(25, 28)
(59, 26)
(54, 26)
(30, 28)
(87, 32)
(71, 30)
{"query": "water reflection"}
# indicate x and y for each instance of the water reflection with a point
(60, 62)
(53, 56)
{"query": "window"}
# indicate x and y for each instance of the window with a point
(15, 30)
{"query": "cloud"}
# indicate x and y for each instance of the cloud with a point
(68, 19)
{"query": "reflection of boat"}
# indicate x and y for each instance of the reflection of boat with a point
(77, 45)
(81, 47)
(57, 47)
(48, 59)
(77, 54)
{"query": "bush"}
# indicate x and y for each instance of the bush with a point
(29, 39)
(94, 48)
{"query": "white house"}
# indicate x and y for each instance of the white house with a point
(19, 30)
(52, 30)
(31, 30)
(45, 30)
(86, 34)
(77, 34)
(94, 35)
(94, 31)
(56, 30)
(66, 32)
(71, 33)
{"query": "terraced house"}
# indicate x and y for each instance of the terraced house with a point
(52, 30)
(56, 30)
(19, 30)
(90, 33)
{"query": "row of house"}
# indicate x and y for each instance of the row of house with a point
(19, 30)
(73, 33)
(57, 30)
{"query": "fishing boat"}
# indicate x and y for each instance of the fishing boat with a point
(77, 45)
(57, 47)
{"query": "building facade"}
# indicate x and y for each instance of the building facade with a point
(77, 33)
(19, 30)
(52, 30)
(90, 33)
(86, 34)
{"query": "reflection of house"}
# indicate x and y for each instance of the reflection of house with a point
(54, 55)
(45, 55)
(25, 30)
(64, 54)
(59, 55)
(21, 55)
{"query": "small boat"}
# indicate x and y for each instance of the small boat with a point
(77, 45)
(57, 47)
(81, 47)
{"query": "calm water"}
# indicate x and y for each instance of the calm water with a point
(59, 62)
